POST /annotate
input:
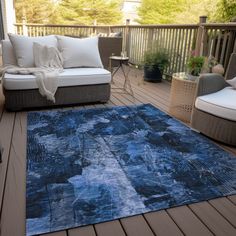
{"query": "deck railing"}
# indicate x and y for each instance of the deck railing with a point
(217, 40)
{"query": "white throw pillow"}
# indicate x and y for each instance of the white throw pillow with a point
(232, 82)
(23, 47)
(80, 52)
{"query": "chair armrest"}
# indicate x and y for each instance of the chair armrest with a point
(231, 70)
(210, 83)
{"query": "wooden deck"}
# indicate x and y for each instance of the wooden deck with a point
(214, 217)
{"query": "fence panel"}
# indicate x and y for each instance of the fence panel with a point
(219, 41)
(177, 40)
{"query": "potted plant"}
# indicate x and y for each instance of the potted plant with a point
(195, 65)
(154, 65)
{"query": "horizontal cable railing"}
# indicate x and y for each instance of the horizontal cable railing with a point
(216, 40)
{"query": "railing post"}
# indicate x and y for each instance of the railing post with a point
(95, 26)
(24, 27)
(200, 36)
(127, 37)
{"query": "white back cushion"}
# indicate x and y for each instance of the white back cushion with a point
(80, 52)
(8, 54)
(23, 47)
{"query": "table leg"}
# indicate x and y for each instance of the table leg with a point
(127, 84)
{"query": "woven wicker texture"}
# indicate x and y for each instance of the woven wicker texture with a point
(182, 98)
(24, 99)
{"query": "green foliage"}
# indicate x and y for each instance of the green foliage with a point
(159, 58)
(192, 9)
(158, 12)
(225, 12)
(185, 11)
(195, 65)
(86, 12)
(35, 11)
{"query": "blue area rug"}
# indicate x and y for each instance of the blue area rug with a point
(90, 166)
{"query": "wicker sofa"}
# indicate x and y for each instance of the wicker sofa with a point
(76, 85)
(214, 112)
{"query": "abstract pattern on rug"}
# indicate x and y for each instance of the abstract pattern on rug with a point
(95, 165)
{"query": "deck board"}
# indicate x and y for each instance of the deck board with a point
(6, 127)
(232, 199)
(188, 222)
(82, 231)
(226, 208)
(214, 221)
(61, 233)
(136, 226)
(162, 224)
(113, 228)
(216, 216)
(13, 211)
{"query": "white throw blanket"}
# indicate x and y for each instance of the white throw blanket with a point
(49, 64)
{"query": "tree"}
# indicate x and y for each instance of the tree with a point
(36, 11)
(87, 12)
(159, 12)
(226, 11)
(192, 9)
(184, 11)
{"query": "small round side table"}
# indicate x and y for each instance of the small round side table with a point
(182, 96)
(121, 61)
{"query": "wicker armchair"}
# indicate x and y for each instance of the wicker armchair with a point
(208, 123)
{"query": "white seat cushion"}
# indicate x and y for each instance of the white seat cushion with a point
(221, 103)
(69, 77)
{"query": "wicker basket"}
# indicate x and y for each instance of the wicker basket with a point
(182, 97)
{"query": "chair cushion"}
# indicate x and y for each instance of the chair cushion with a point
(69, 77)
(221, 103)
(79, 52)
(23, 47)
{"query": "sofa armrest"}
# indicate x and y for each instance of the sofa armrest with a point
(210, 83)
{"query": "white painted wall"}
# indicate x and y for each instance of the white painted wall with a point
(9, 17)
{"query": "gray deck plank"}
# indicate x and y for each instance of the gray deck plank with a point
(162, 224)
(116, 101)
(188, 221)
(113, 228)
(145, 98)
(6, 127)
(226, 208)
(136, 226)
(232, 199)
(61, 233)
(155, 93)
(82, 231)
(13, 212)
(214, 221)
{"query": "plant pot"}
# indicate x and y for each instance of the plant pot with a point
(152, 75)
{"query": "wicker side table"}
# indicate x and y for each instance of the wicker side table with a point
(182, 97)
